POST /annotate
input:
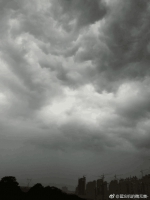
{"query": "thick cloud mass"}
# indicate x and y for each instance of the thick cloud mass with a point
(84, 12)
(74, 88)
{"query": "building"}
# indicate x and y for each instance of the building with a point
(145, 185)
(114, 187)
(101, 190)
(91, 190)
(81, 186)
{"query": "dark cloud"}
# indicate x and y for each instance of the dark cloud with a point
(126, 37)
(76, 136)
(121, 51)
(84, 12)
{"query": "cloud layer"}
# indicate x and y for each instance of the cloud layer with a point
(74, 82)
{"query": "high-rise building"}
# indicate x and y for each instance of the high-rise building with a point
(81, 185)
(145, 185)
(102, 191)
(113, 187)
(91, 190)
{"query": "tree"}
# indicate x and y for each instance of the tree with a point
(9, 186)
(9, 180)
(36, 192)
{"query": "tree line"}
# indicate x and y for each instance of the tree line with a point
(10, 190)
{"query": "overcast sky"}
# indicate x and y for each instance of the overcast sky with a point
(74, 89)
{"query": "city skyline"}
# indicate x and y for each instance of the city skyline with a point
(74, 89)
(103, 190)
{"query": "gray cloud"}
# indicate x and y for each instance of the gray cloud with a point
(127, 38)
(85, 12)
(74, 86)
(77, 136)
(121, 51)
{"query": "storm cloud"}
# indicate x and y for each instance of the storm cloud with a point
(74, 88)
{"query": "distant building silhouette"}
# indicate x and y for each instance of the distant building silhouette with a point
(81, 186)
(114, 187)
(91, 190)
(98, 190)
(145, 184)
(102, 192)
